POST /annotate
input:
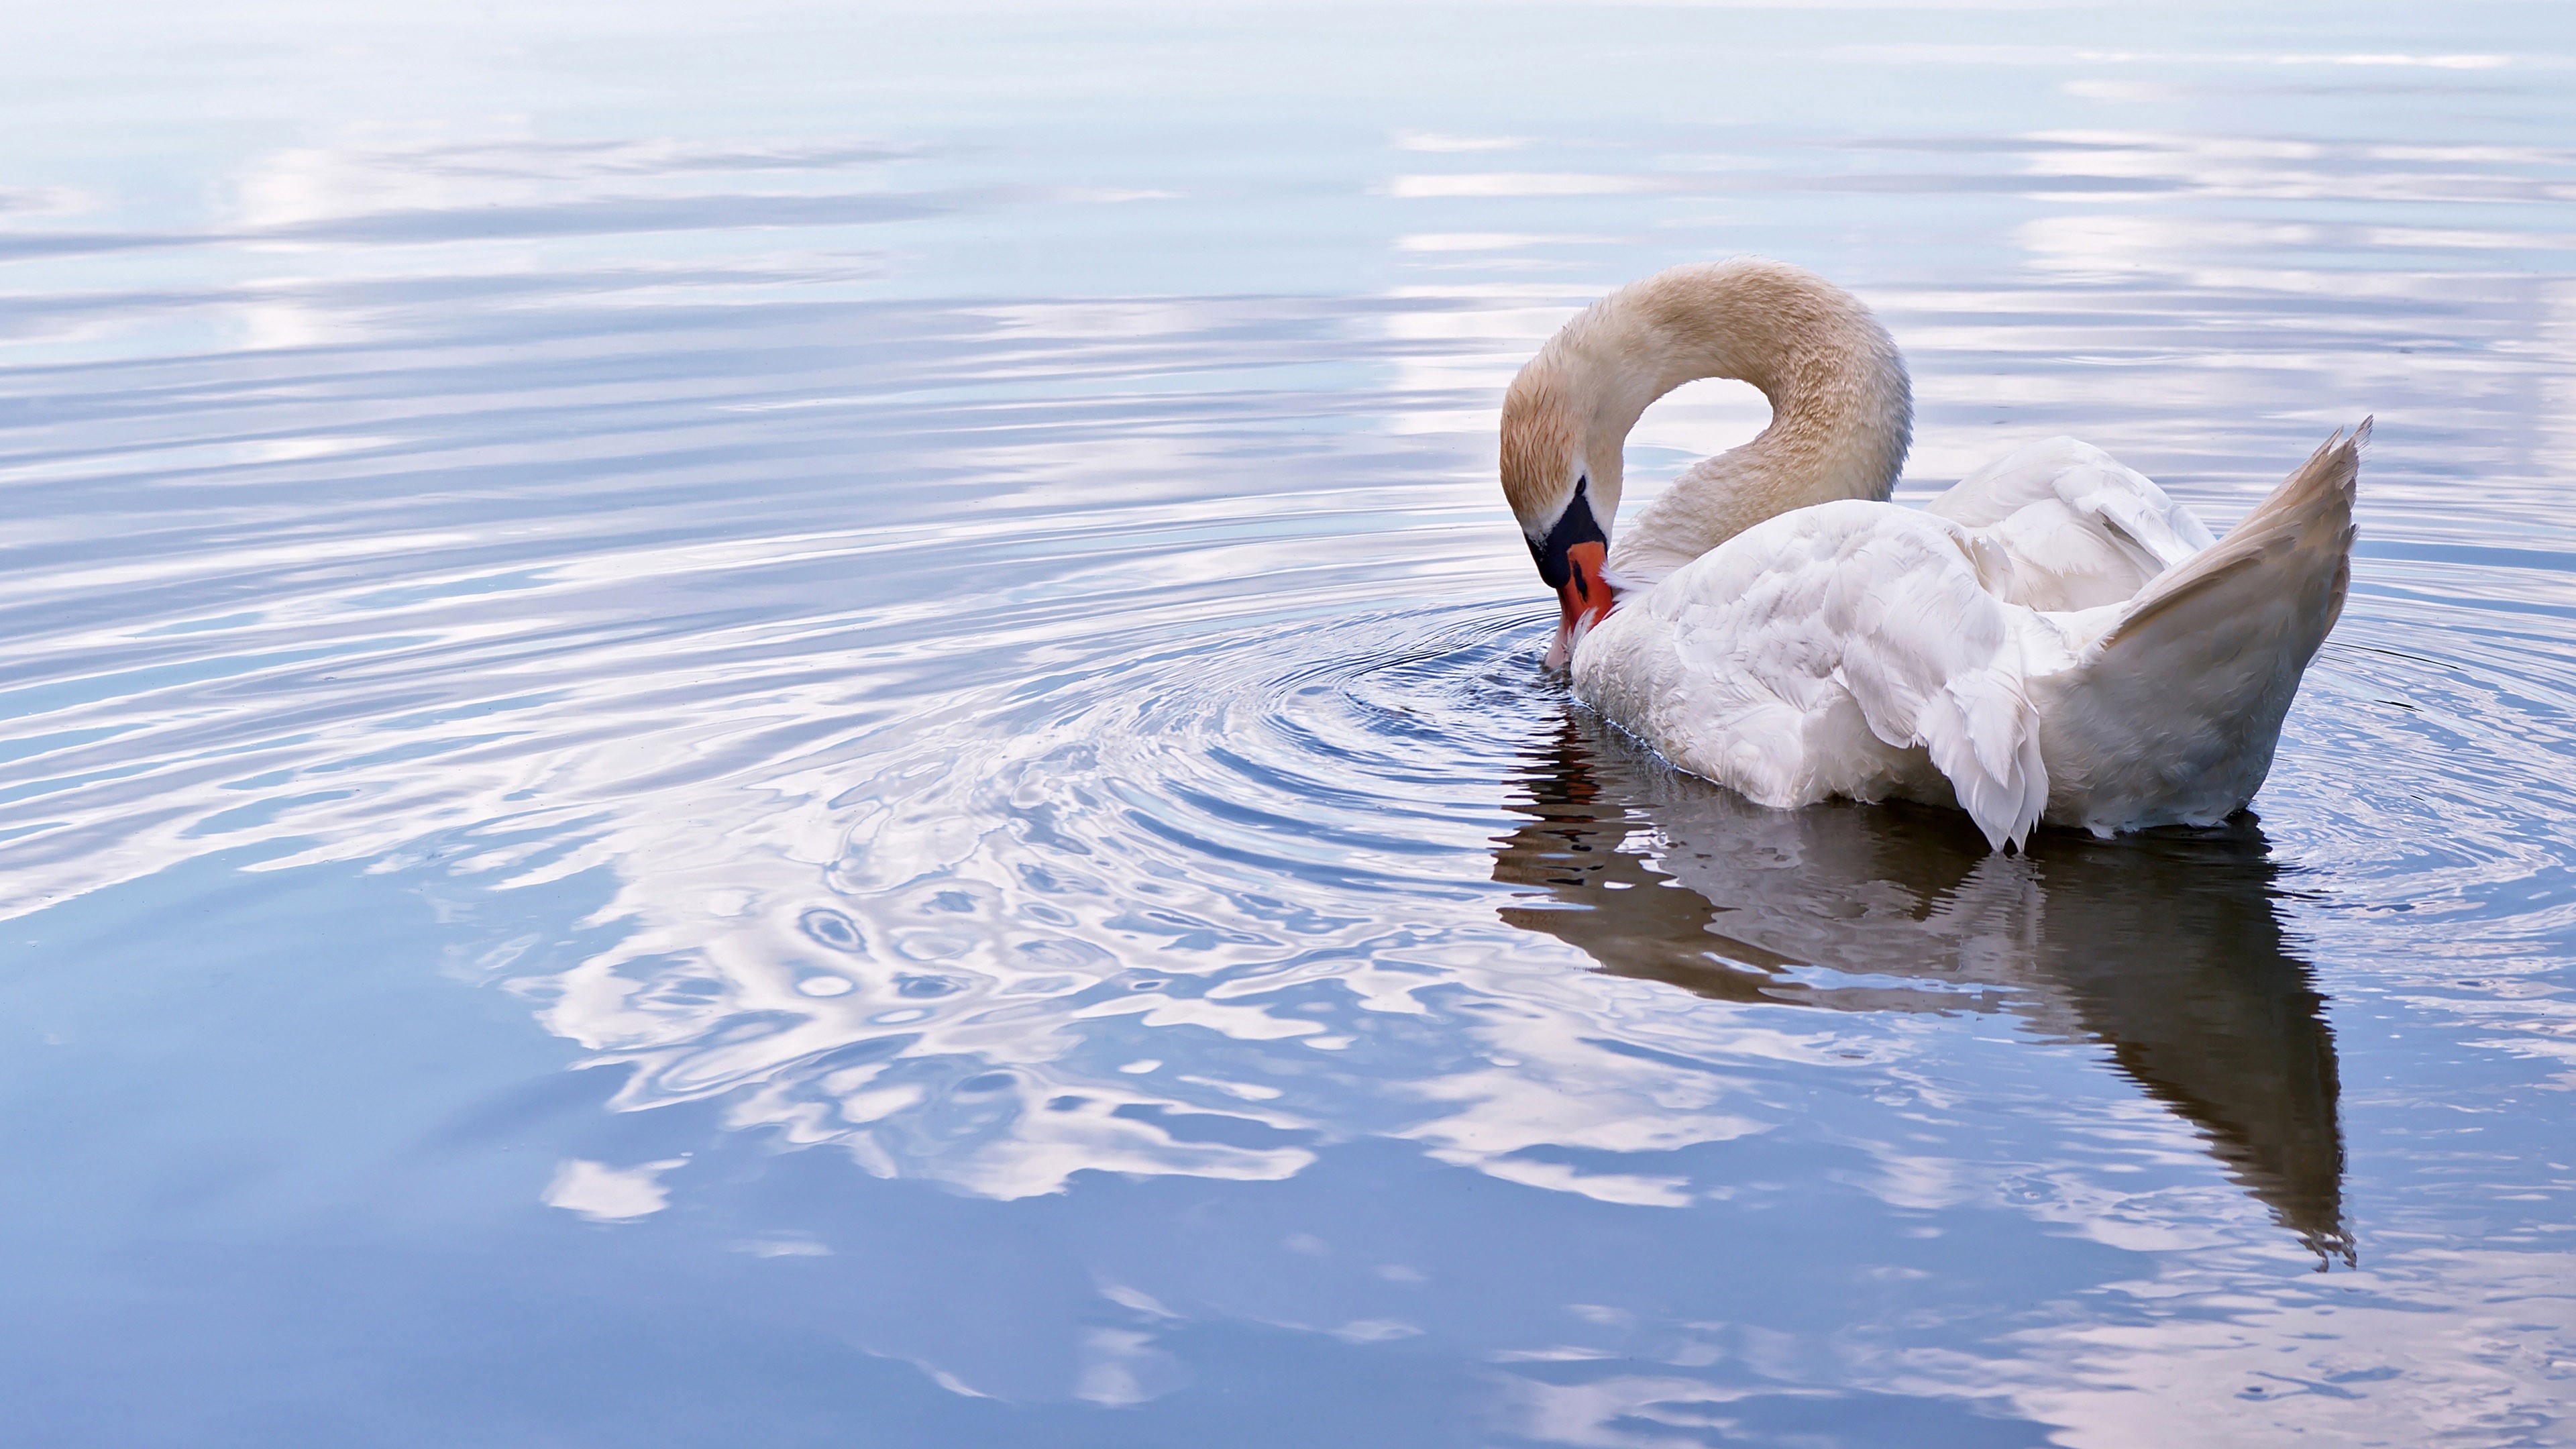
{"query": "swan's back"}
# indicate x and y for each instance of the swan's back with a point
(2082, 529)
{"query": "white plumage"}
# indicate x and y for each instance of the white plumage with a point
(2054, 638)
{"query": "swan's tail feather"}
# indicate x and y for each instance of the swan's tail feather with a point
(2181, 702)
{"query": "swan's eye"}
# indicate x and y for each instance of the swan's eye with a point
(1575, 527)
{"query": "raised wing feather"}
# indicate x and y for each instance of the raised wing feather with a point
(2081, 529)
(1838, 650)
(2172, 714)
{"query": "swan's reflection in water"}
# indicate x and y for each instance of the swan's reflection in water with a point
(2165, 948)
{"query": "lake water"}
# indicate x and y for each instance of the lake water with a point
(818, 726)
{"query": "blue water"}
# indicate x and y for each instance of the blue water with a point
(802, 725)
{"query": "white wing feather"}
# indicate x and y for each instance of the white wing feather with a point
(1851, 648)
(2081, 529)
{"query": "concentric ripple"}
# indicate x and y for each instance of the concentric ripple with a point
(1201, 858)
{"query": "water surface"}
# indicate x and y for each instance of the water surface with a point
(811, 727)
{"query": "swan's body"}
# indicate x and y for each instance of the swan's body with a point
(2053, 638)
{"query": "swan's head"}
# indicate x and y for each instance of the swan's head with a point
(1565, 500)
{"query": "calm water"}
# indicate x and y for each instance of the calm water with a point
(818, 727)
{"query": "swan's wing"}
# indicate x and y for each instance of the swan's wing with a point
(1811, 654)
(2172, 712)
(2081, 529)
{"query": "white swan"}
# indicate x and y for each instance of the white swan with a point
(2053, 638)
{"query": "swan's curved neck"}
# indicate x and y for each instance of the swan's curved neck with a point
(1841, 406)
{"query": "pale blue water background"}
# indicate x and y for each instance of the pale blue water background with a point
(816, 726)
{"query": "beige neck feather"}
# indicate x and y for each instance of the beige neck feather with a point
(1841, 408)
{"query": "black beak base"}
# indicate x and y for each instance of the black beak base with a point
(1574, 527)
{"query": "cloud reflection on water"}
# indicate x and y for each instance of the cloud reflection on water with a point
(1021, 690)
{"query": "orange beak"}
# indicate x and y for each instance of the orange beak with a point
(1584, 601)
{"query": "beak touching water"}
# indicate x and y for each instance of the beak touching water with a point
(1570, 560)
(1584, 600)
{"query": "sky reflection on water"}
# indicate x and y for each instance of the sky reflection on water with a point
(820, 727)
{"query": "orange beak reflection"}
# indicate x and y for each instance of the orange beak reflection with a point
(1584, 601)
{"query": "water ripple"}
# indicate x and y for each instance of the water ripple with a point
(1023, 734)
